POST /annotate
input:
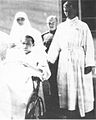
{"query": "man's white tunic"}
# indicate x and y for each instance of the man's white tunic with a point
(74, 44)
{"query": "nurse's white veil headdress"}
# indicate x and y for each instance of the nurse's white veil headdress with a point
(18, 31)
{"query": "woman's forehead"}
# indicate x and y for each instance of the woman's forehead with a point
(21, 15)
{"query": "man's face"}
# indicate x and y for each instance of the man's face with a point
(20, 20)
(67, 7)
(52, 25)
(27, 44)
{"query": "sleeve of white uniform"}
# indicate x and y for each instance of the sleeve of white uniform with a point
(43, 64)
(89, 60)
(54, 48)
(5, 102)
(39, 41)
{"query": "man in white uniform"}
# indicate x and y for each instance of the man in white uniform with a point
(74, 44)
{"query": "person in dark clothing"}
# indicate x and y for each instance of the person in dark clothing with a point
(48, 36)
(50, 86)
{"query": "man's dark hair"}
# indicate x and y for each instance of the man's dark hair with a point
(32, 39)
(74, 4)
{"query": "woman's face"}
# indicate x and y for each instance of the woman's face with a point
(20, 20)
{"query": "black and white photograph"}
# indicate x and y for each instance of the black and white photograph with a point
(47, 59)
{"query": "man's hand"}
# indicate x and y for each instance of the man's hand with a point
(87, 69)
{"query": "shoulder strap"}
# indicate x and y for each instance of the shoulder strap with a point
(44, 33)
